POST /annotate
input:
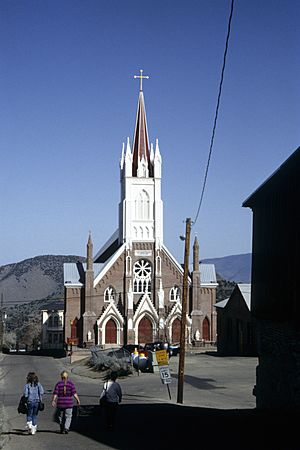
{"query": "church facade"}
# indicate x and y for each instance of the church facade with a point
(130, 291)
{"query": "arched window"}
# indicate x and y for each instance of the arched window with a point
(109, 294)
(206, 329)
(55, 320)
(174, 294)
(158, 265)
(142, 276)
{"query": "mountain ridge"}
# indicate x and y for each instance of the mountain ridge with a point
(235, 268)
(34, 278)
(41, 277)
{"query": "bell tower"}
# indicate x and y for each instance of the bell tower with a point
(141, 207)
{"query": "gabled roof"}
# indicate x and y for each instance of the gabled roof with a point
(74, 273)
(290, 168)
(107, 265)
(222, 303)
(207, 271)
(245, 290)
(108, 248)
(208, 274)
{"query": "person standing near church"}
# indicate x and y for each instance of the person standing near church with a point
(113, 396)
(63, 394)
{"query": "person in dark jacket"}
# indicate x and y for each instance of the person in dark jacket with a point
(63, 394)
(113, 396)
(33, 391)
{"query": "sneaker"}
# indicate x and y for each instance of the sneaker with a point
(33, 429)
(29, 427)
(66, 431)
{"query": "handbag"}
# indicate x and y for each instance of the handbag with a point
(22, 407)
(41, 404)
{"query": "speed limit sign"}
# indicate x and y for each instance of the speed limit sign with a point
(165, 374)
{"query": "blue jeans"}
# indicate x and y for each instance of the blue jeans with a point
(32, 412)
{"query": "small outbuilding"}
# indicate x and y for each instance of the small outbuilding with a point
(235, 328)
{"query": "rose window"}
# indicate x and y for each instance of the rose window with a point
(142, 276)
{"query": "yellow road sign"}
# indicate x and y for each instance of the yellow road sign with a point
(162, 357)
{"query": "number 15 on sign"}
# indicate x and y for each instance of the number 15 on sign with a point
(165, 377)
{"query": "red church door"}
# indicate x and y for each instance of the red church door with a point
(111, 332)
(145, 331)
(74, 329)
(205, 329)
(176, 327)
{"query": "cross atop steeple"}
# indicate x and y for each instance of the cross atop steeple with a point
(141, 76)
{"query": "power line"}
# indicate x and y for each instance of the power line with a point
(216, 113)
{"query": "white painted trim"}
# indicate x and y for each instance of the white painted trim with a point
(107, 244)
(136, 325)
(111, 312)
(169, 254)
(109, 264)
(142, 308)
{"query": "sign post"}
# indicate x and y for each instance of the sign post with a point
(164, 370)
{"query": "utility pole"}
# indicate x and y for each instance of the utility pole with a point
(184, 312)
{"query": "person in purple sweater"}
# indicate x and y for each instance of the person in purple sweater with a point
(63, 394)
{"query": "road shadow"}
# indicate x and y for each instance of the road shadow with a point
(22, 432)
(199, 383)
(163, 426)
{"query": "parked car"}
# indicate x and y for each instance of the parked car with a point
(131, 347)
(158, 345)
(175, 349)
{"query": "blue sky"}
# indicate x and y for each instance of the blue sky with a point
(68, 101)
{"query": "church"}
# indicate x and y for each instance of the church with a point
(130, 291)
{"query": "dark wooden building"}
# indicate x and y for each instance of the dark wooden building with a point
(235, 329)
(275, 299)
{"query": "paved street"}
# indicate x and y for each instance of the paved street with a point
(218, 408)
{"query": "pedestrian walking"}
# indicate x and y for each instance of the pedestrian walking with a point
(63, 394)
(110, 398)
(33, 392)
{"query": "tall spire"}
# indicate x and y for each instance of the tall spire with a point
(141, 152)
(196, 255)
(89, 247)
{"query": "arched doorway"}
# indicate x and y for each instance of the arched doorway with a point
(74, 324)
(176, 327)
(206, 329)
(111, 332)
(145, 331)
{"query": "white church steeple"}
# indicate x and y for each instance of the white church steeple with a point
(141, 207)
